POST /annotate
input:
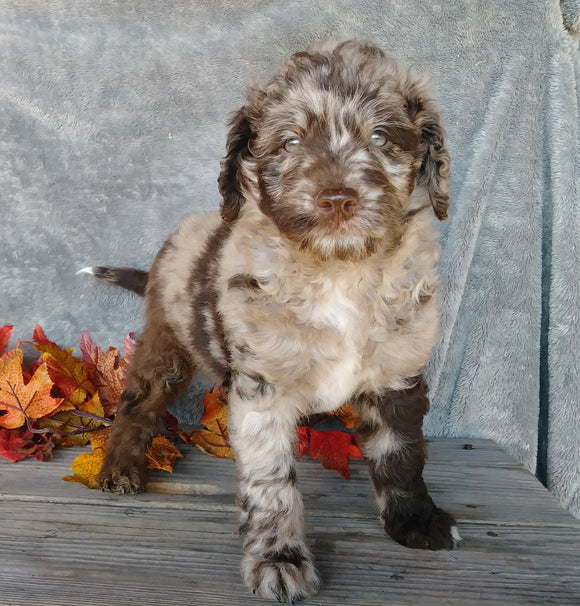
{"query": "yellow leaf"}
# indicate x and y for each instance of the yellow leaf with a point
(86, 467)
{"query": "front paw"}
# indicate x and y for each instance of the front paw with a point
(421, 527)
(121, 479)
(286, 575)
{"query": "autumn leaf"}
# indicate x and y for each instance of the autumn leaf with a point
(20, 401)
(354, 450)
(129, 344)
(333, 449)
(303, 441)
(162, 455)
(67, 372)
(20, 443)
(75, 425)
(87, 465)
(214, 440)
(173, 425)
(347, 416)
(106, 370)
(5, 333)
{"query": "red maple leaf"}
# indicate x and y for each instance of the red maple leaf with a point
(333, 449)
(5, 332)
(20, 443)
(302, 446)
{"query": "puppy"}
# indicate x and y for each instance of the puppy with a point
(315, 284)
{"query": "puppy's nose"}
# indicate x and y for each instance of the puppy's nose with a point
(339, 204)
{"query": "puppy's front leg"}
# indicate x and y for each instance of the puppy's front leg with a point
(276, 563)
(392, 440)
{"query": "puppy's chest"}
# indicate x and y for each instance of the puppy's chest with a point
(347, 341)
(331, 336)
(360, 324)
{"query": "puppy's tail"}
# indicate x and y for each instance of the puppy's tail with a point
(125, 277)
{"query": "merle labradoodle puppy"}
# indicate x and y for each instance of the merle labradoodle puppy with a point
(315, 285)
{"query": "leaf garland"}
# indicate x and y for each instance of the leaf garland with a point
(62, 400)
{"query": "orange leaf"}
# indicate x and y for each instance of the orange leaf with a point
(214, 440)
(18, 399)
(106, 371)
(68, 373)
(162, 454)
(355, 452)
(347, 416)
(215, 416)
(212, 444)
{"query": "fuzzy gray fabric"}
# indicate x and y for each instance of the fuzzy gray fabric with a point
(571, 15)
(112, 119)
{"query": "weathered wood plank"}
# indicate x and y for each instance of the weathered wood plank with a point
(483, 485)
(61, 544)
(198, 562)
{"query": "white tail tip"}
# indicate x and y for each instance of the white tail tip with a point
(455, 535)
(86, 270)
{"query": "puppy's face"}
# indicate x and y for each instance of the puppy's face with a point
(336, 144)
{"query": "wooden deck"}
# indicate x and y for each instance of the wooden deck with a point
(63, 544)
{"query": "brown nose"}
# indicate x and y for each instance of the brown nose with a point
(339, 204)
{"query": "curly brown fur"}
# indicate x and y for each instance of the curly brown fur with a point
(316, 285)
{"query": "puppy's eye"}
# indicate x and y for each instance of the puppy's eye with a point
(378, 138)
(292, 144)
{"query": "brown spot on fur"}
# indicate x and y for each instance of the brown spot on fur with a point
(244, 282)
(292, 555)
(205, 302)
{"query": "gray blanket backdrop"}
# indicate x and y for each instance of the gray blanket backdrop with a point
(112, 125)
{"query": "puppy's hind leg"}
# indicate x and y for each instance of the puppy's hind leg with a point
(159, 371)
(392, 440)
(276, 563)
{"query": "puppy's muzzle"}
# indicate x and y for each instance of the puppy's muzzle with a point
(337, 205)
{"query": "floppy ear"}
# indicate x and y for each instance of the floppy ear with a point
(434, 171)
(239, 135)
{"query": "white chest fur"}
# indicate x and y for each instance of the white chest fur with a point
(324, 333)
